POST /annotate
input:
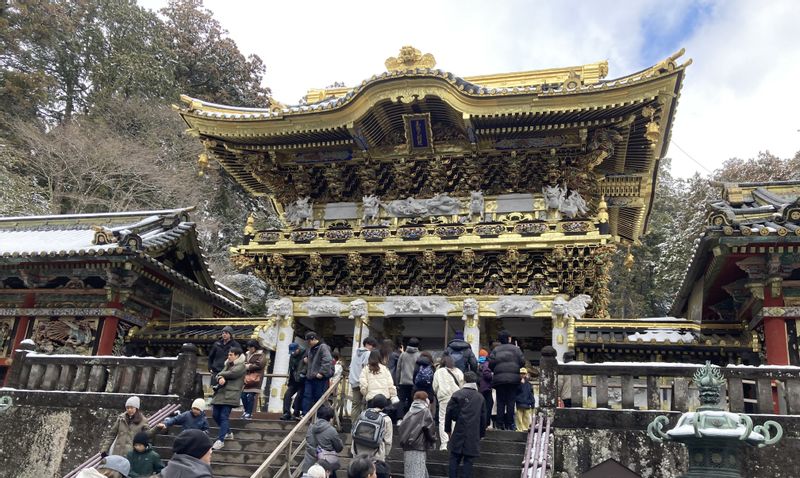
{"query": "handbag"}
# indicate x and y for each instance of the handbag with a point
(328, 455)
(252, 379)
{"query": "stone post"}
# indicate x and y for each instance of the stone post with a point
(472, 326)
(183, 377)
(548, 379)
(285, 323)
(15, 377)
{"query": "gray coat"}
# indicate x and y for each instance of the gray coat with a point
(186, 466)
(320, 361)
(404, 374)
(320, 434)
(416, 430)
(123, 432)
(231, 393)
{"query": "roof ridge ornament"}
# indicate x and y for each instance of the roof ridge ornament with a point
(409, 58)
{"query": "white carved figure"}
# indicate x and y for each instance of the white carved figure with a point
(470, 307)
(323, 306)
(268, 335)
(280, 307)
(370, 206)
(408, 207)
(413, 304)
(476, 204)
(442, 204)
(574, 308)
(554, 196)
(573, 205)
(416, 305)
(516, 306)
(299, 211)
(358, 309)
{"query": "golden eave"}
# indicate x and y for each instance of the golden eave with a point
(471, 100)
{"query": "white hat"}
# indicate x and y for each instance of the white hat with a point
(133, 402)
(199, 404)
(317, 471)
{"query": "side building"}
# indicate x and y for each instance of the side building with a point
(86, 283)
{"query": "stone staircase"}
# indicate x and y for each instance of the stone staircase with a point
(501, 451)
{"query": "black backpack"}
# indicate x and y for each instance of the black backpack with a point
(368, 429)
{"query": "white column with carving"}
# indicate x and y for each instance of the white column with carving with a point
(358, 314)
(283, 310)
(472, 324)
(564, 313)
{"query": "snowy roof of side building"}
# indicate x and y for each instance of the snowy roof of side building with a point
(143, 234)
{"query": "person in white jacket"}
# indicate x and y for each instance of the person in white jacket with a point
(447, 380)
(376, 379)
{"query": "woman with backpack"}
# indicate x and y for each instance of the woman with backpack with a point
(447, 380)
(372, 431)
(417, 436)
(423, 375)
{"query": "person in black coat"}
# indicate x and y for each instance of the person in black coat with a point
(466, 408)
(219, 352)
(505, 361)
(462, 354)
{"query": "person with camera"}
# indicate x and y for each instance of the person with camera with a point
(227, 393)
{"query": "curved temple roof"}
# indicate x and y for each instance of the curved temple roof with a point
(273, 151)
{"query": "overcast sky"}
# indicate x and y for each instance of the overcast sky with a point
(740, 96)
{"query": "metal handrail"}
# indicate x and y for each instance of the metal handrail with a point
(536, 448)
(285, 446)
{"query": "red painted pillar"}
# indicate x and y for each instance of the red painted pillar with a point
(22, 327)
(108, 334)
(776, 339)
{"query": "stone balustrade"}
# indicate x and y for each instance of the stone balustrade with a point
(106, 374)
(764, 389)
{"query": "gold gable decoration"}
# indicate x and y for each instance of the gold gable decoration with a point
(409, 59)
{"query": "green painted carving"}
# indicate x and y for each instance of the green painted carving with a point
(6, 402)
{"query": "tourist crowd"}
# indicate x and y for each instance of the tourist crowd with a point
(446, 401)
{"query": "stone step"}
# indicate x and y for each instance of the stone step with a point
(256, 424)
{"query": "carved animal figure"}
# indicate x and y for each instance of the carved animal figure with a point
(476, 204)
(408, 207)
(470, 307)
(443, 204)
(554, 196)
(573, 205)
(414, 305)
(358, 308)
(280, 307)
(574, 308)
(299, 211)
(370, 206)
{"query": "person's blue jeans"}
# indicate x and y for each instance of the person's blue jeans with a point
(248, 402)
(222, 414)
(315, 388)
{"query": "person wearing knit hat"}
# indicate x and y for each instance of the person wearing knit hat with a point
(113, 466)
(128, 424)
(525, 402)
(144, 461)
(219, 351)
(191, 456)
(194, 419)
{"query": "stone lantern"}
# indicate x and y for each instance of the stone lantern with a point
(712, 435)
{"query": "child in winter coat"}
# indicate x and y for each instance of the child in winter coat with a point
(145, 461)
(190, 419)
(525, 402)
(125, 427)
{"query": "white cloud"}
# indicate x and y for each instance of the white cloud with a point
(737, 97)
